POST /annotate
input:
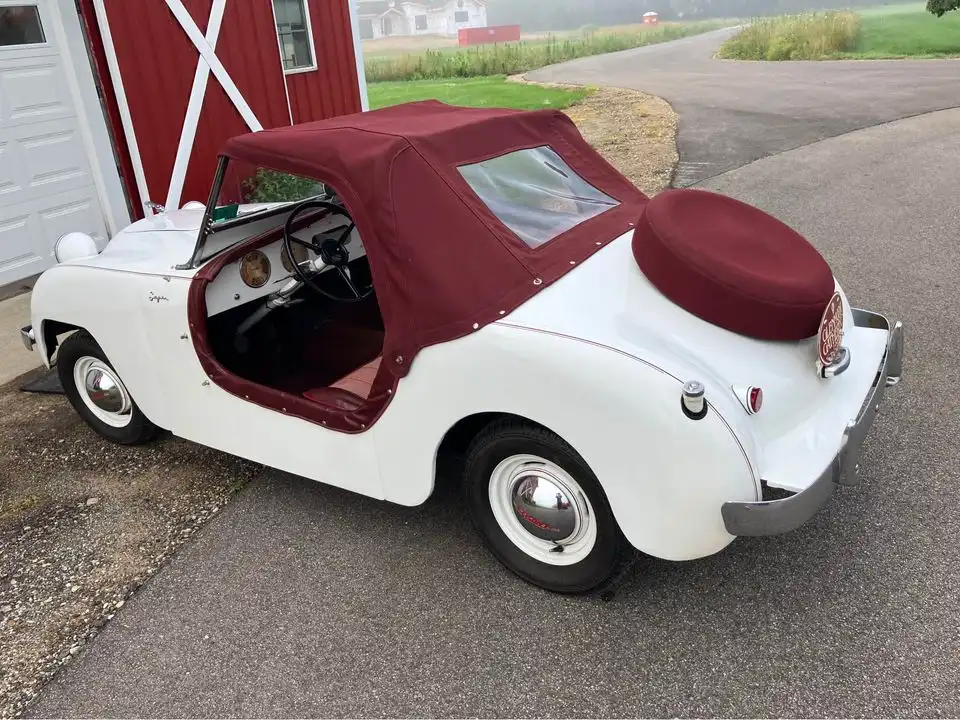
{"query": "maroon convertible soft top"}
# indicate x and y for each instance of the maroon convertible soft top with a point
(442, 263)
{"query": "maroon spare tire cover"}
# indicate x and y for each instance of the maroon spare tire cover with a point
(732, 265)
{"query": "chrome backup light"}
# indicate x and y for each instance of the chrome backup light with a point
(692, 401)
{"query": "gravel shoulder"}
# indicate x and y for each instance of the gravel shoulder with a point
(632, 130)
(83, 523)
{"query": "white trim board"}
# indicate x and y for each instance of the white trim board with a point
(125, 118)
(188, 133)
(91, 114)
(358, 55)
(216, 67)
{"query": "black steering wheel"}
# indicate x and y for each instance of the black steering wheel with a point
(333, 251)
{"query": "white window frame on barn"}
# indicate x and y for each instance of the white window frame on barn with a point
(286, 30)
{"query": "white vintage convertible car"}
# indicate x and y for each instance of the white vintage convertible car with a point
(363, 295)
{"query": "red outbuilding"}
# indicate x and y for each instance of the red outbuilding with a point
(110, 108)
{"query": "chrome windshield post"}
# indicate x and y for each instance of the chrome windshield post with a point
(207, 223)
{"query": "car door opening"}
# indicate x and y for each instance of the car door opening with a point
(290, 319)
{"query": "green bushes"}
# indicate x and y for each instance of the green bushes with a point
(512, 58)
(810, 36)
(273, 186)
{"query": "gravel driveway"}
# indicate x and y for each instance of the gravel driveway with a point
(82, 524)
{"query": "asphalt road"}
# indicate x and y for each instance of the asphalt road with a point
(303, 600)
(733, 112)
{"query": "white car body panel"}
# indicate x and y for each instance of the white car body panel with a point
(598, 358)
(665, 498)
(610, 302)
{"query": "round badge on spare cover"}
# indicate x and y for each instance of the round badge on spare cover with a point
(733, 265)
(830, 333)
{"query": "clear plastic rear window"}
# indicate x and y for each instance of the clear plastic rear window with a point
(535, 193)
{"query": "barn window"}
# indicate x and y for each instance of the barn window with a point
(295, 35)
(421, 21)
(20, 25)
(461, 16)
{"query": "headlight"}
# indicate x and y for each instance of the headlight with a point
(74, 246)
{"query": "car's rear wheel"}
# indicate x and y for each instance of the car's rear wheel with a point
(541, 510)
(98, 394)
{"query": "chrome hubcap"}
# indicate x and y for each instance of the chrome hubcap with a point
(542, 510)
(542, 506)
(102, 392)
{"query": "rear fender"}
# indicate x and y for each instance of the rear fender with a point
(666, 476)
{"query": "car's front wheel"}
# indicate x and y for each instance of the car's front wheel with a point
(98, 394)
(541, 510)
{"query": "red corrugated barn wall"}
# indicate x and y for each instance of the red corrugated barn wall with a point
(157, 62)
(332, 90)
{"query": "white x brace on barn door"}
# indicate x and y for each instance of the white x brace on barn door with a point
(50, 177)
(207, 62)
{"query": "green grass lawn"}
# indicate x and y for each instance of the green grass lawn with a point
(907, 31)
(493, 91)
(893, 9)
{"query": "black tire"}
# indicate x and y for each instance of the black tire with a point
(505, 438)
(79, 345)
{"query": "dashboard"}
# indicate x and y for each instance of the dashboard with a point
(263, 271)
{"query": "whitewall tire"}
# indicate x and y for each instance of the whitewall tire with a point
(540, 509)
(98, 394)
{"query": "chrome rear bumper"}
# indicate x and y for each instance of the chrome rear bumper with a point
(28, 337)
(773, 517)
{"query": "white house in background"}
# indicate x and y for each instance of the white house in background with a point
(384, 18)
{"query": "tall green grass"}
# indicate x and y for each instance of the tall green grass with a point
(810, 36)
(512, 58)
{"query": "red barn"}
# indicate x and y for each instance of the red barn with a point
(109, 106)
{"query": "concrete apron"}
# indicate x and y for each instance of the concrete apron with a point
(14, 358)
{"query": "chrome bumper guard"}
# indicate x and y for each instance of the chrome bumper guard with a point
(773, 517)
(28, 337)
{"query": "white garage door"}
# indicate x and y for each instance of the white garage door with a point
(46, 184)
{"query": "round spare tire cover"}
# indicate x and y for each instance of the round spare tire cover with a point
(732, 265)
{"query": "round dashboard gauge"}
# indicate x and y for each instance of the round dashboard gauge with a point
(255, 269)
(300, 254)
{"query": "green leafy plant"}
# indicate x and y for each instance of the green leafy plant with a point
(941, 7)
(272, 186)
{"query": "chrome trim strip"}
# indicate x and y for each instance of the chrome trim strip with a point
(207, 223)
(779, 516)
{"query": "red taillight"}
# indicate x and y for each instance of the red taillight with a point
(755, 399)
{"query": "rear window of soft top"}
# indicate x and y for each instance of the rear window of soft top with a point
(535, 193)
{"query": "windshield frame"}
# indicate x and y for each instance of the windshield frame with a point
(207, 227)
